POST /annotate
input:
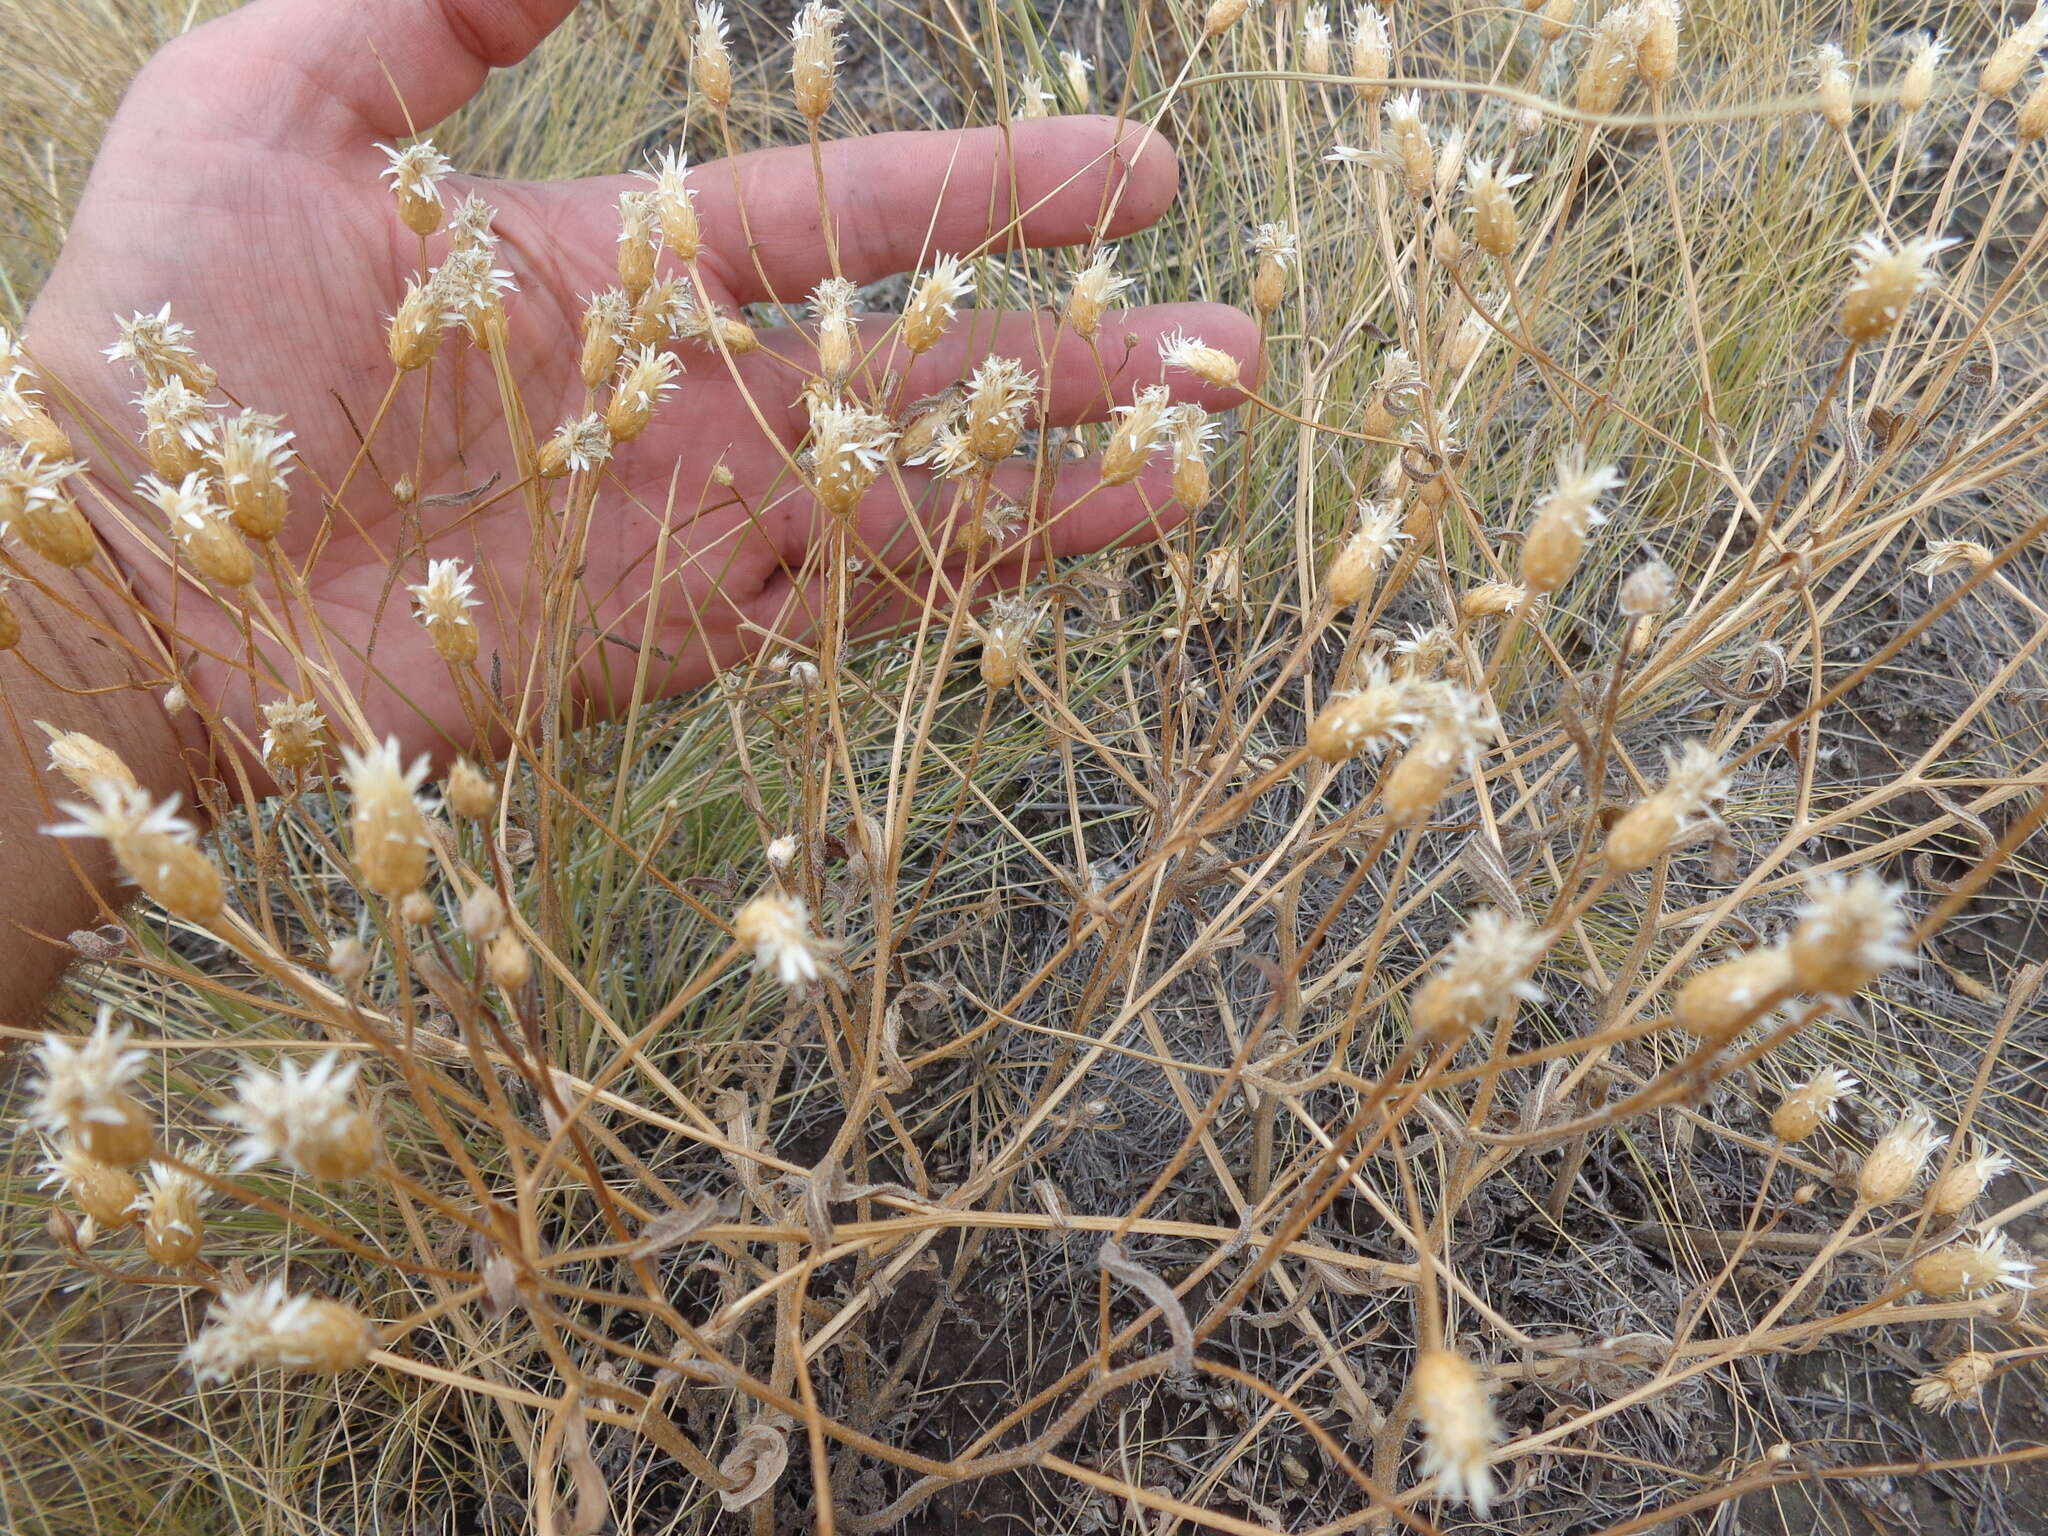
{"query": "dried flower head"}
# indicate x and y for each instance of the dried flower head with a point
(306, 1118)
(1963, 1270)
(1194, 433)
(1496, 225)
(155, 847)
(442, 604)
(1378, 715)
(84, 761)
(169, 1203)
(1192, 355)
(777, 929)
(469, 791)
(23, 418)
(1371, 54)
(37, 508)
(675, 204)
(1000, 392)
(1849, 931)
(1033, 100)
(2009, 61)
(1946, 556)
(265, 1327)
(1457, 723)
(105, 1193)
(1458, 1426)
(1647, 590)
(1964, 1182)
(251, 459)
(294, 734)
(83, 1093)
(1894, 1165)
(815, 32)
(934, 302)
(1079, 71)
(413, 335)
(1720, 1002)
(174, 428)
(1887, 279)
(160, 349)
(1557, 532)
(1694, 783)
(1095, 287)
(1222, 15)
(1485, 970)
(1657, 46)
(1314, 58)
(1007, 632)
(1916, 79)
(577, 448)
(1835, 85)
(646, 378)
(1142, 428)
(710, 57)
(849, 448)
(385, 821)
(470, 287)
(1609, 62)
(1412, 151)
(607, 319)
(415, 174)
(1277, 252)
(833, 303)
(1957, 1384)
(1811, 1105)
(639, 242)
(202, 529)
(1356, 566)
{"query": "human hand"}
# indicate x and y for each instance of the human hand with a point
(240, 182)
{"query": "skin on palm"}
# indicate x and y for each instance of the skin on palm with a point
(250, 147)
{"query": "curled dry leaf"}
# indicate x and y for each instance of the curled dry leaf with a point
(753, 1465)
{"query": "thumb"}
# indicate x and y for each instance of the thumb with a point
(325, 74)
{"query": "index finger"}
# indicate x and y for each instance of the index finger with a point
(898, 199)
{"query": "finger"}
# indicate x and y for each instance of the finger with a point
(898, 198)
(320, 74)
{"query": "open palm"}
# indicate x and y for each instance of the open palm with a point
(240, 183)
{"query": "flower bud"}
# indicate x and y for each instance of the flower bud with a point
(638, 243)
(1222, 15)
(293, 734)
(507, 961)
(1646, 591)
(442, 603)
(470, 792)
